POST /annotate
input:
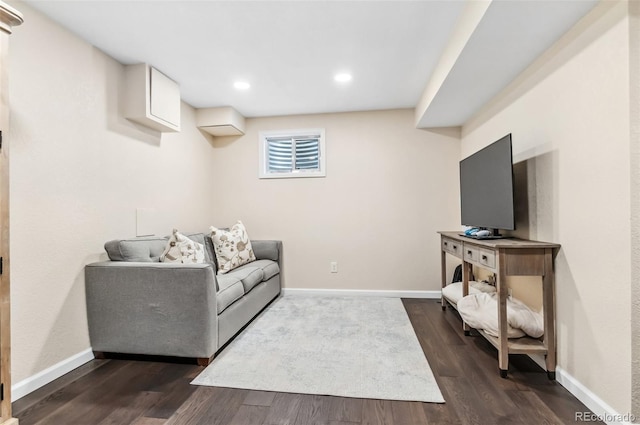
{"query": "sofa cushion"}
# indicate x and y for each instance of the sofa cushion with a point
(232, 247)
(269, 268)
(209, 255)
(266, 250)
(230, 290)
(249, 275)
(181, 249)
(136, 249)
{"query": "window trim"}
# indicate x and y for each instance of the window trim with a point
(263, 166)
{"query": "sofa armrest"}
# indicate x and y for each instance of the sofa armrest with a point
(164, 309)
(267, 250)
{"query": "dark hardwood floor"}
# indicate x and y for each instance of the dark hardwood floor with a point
(137, 392)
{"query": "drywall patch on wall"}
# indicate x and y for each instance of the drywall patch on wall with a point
(634, 102)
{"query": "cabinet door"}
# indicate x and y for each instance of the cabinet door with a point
(165, 98)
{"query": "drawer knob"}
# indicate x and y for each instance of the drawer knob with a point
(446, 244)
(469, 252)
(484, 257)
(455, 247)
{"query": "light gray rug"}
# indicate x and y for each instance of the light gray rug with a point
(362, 347)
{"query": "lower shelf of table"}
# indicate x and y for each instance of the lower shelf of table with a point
(524, 345)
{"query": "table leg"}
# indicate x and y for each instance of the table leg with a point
(548, 290)
(501, 285)
(467, 268)
(443, 274)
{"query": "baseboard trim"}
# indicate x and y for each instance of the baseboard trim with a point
(361, 293)
(50, 374)
(599, 407)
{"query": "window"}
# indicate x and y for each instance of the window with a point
(292, 153)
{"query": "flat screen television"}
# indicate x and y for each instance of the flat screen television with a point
(486, 188)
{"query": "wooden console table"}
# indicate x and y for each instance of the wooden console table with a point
(508, 257)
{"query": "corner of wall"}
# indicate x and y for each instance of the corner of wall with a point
(634, 139)
(581, 34)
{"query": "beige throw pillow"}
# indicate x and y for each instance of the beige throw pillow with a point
(181, 249)
(232, 247)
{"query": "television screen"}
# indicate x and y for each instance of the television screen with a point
(486, 187)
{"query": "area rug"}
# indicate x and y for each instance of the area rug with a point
(362, 347)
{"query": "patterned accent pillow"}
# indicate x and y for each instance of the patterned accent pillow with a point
(232, 247)
(181, 249)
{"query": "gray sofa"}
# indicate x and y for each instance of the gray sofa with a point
(138, 305)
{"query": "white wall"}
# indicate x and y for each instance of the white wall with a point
(388, 189)
(569, 115)
(78, 173)
(634, 101)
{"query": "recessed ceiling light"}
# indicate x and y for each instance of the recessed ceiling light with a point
(342, 77)
(241, 85)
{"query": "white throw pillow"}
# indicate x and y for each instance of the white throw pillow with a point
(453, 291)
(181, 249)
(232, 247)
(480, 311)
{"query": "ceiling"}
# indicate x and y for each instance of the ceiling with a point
(289, 51)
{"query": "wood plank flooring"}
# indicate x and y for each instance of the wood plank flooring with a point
(121, 392)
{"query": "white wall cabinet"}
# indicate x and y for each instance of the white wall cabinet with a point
(152, 98)
(220, 121)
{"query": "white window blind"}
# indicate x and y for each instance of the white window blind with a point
(295, 153)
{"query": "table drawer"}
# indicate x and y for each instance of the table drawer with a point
(471, 254)
(487, 258)
(453, 247)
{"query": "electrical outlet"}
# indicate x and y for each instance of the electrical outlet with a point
(333, 266)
